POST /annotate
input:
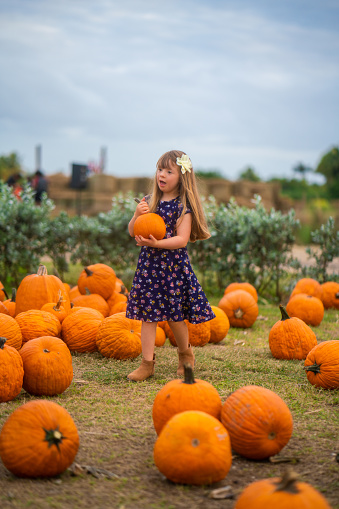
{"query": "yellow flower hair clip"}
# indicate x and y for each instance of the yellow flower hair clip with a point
(185, 163)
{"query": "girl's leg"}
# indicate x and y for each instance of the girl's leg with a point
(146, 368)
(185, 352)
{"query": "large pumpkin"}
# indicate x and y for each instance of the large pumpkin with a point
(330, 295)
(193, 448)
(47, 365)
(281, 493)
(306, 307)
(188, 394)
(36, 323)
(47, 436)
(242, 286)
(240, 307)
(11, 372)
(322, 365)
(259, 422)
(291, 338)
(118, 337)
(79, 329)
(150, 224)
(97, 278)
(10, 329)
(219, 326)
(35, 290)
(309, 286)
(94, 301)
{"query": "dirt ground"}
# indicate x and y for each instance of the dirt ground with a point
(299, 252)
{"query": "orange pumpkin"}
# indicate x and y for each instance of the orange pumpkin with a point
(322, 365)
(247, 287)
(74, 292)
(11, 304)
(198, 333)
(193, 448)
(259, 422)
(3, 309)
(119, 307)
(160, 336)
(150, 224)
(219, 326)
(79, 330)
(280, 493)
(181, 395)
(11, 372)
(3, 293)
(240, 308)
(99, 279)
(47, 365)
(36, 323)
(35, 290)
(118, 337)
(307, 308)
(291, 338)
(48, 439)
(10, 329)
(56, 308)
(330, 297)
(93, 300)
(309, 286)
(115, 298)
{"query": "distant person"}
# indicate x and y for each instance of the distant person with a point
(13, 181)
(40, 185)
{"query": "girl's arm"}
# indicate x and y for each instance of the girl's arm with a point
(176, 242)
(142, 208)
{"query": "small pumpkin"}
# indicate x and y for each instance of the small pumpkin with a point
(198, 333)
(56, 308)
(309, 286)
(242, 286)
(330, 297)
(47, 365)
(48, 439)
(193, 448)
(240, 308)
(322, 365)
(258, 421)
(115, 298)
(79, 329)
(35, 323)
(3, 309)
(306, 307)
(35, 290)
(93, 300)
(291, 338)
(280, 493)
(119, 307)
(219, 326)
(99, 279)
(74, 292)
(10, 329)
(11, 372)
(150, 224)
(118, 337)
(187, 394)
(3, 293)
(11, 304)
(160, 336)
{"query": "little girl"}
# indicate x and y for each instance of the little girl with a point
(164, 285)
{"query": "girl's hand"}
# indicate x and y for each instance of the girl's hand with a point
(142, 208)
(150, 242)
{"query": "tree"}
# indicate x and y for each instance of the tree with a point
(9, 164)
(249, 174)
(212, 173)
(302, 169)
(329, 167)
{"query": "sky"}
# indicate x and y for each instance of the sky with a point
(233, 83)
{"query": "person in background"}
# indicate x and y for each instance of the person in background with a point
(40, 185)
(14, 182)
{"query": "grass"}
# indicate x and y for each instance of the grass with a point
(114, 419)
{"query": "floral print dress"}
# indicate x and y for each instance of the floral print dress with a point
(164, 285)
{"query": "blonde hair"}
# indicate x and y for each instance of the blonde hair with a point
(188, 193)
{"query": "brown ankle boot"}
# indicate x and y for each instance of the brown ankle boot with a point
(145, 370)
(187, 356)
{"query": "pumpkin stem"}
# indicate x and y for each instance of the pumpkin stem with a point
(238, 313)
(42, 270)
(45, 350)
(13, 295)
(287, 482)
(284, 314)
(58, 304)
(88, 271)
(315, 368)
(337, 295)
(188, 374)
(4, 290)
(2, 342)
(53, 437)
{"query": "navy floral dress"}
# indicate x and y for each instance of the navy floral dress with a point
(164, 285)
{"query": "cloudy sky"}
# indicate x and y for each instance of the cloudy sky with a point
(234, 83)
